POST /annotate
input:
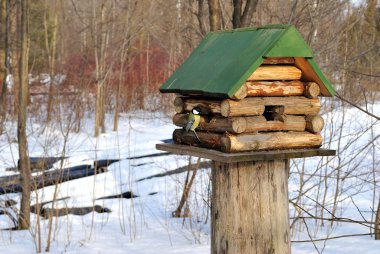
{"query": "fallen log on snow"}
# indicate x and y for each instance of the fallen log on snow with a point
(42, 163)
(57, 212)
(53, 177)
(127, 195)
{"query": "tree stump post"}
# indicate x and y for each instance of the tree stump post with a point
(250, 207)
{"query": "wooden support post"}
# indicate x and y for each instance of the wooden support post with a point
(250, 208)
(249, 205)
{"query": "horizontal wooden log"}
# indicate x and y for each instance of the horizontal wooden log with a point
(207, 106)
(245, 107)
(251, 106)
(270, 141)
(274, 88)
(279, 60)
(290, 123)
(294, 105)
(207, 139)
(312, 90)
(237, 125)
(214, 124)
(275, 72)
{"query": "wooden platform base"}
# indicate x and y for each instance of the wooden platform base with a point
(246, 156)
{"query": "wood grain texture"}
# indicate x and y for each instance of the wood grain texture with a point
(250, 208)
(250, 106)
(275, 72)
(309, 75)
(279, 60)
(207, 106)
(207, 139)
(243, 156)
(312, 90)
(274, 88)
(290, 123)
(270, 141)
(245, 107)
(241, 93)
(314, 124)
(215, 124)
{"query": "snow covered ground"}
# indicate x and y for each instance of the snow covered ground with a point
(144, 224)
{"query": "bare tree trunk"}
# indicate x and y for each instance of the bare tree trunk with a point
(200, 16)
(14, 15)
(377, 222)
(215, 15)
(240, 19)
(7, 64)
(100, 37)
(51, 51)
(24, 216)
(123, 56)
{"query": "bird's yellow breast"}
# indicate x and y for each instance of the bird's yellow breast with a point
(197, 120)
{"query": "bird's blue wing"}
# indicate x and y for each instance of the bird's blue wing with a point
(189, 124)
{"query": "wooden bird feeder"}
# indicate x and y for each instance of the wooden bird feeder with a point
(258, 92)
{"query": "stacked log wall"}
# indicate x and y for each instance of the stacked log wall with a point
(274, 109)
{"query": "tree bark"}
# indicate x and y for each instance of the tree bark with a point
(215, 124)
(290, 123)
(250, 208)
(241, 108)
(241, 93)
(274, 88)
(276, 72)
(250, 106)
(207, 140)
(7, 63)
(51, 51)
(207, 106)
(270, 140)
(250, 124)
(214, 15)
(240, 19)
(377, 222)
(100, 37)
(279, 60)
(24, 216)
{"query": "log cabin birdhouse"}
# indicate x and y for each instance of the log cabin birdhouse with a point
(257, 89)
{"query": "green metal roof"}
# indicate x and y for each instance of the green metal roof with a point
(224, 60)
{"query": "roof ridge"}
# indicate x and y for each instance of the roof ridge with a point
(244, 29)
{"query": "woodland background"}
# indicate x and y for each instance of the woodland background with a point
(130, 47)
(63, 62)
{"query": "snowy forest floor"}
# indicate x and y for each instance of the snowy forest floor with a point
(145, 224)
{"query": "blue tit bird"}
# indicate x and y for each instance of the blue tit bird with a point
(193, 120)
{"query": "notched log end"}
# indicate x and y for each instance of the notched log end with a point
(225, 108)
(241, 93)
